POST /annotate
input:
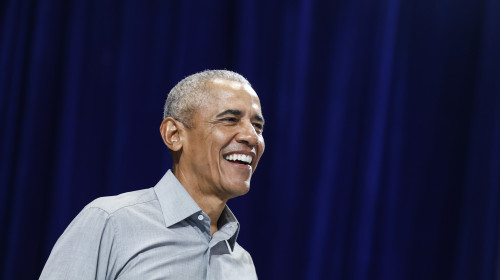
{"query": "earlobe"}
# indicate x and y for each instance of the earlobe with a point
(170, 133)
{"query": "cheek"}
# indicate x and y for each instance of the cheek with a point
(213, 145)
(260, 150)
(221, 137)
(262, 145)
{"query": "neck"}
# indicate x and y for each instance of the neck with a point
(212, 208)
(210, 204)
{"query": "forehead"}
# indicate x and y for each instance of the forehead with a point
(227, 94)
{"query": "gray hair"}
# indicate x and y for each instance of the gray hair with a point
(189, 93)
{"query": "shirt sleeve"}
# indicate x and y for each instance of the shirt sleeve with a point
(83, 251)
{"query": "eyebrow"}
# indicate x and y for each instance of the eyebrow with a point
(230, 112)
(239, 113)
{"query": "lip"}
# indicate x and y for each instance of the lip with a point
(239, 165)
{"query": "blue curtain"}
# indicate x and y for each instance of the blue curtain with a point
(383, 126)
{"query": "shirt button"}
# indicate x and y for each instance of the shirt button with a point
(200, 217)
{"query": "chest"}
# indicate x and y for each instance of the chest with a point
(177, 253)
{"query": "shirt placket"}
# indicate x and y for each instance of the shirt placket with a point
(224, 234)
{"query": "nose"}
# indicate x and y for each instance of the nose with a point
(247, 134)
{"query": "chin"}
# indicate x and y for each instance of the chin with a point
(238, 190)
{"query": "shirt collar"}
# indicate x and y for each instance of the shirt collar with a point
(227, 217)
(177, 205)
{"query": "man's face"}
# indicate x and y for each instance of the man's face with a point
(225, 143)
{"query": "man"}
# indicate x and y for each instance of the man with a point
(181, 228)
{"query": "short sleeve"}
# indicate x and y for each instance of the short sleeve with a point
(83, 251)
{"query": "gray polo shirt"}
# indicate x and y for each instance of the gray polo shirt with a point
(156, 233)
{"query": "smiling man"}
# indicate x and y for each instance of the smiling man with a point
(181, 228)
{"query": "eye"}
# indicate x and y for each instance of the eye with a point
(258, 127)
(230, 119)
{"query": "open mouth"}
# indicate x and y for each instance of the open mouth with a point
(239, 158)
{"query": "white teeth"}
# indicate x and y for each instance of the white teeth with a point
(240, 157)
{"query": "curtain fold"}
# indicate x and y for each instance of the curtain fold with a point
(382, 129)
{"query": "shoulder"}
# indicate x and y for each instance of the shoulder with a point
(241, 253)
(113, 204)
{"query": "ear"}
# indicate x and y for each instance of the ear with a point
(170, 130)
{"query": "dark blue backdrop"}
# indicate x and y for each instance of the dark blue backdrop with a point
(383, 126)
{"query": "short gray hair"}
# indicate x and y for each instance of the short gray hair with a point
(189, 93)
